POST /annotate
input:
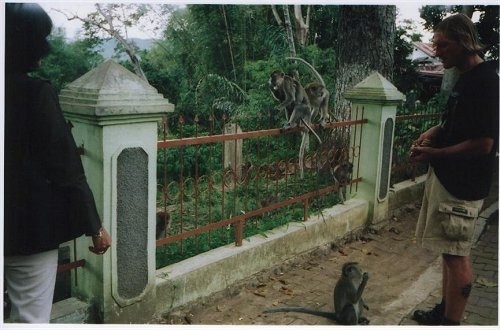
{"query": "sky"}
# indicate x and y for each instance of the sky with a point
(407, 10)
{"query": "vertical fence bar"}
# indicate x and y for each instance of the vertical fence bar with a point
(238, 232)
(210, 178)
(75, 257)
(196, 177)
(305, 205)
(223, 175)
(181, 180)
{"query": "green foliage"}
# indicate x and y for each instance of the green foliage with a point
(188, 161)
(405, 74)
(323, 28)
(218, 94)
(68, 61)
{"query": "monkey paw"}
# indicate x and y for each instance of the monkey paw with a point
(288, 126)
(365, 276)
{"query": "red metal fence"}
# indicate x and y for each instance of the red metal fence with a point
(215, 196)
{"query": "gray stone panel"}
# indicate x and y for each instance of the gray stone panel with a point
(132, 222)
(385, 170)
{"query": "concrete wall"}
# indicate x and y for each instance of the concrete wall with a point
(406, 192)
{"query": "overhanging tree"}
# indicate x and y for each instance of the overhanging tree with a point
(365, 44)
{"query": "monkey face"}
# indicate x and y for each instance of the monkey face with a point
(315, 90)
(276, 79)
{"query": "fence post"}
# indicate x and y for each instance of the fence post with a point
(114, 115)
(233, 152)
(378, 98)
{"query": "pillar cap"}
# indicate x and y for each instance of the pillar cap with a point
(374, 89)
(112, 90)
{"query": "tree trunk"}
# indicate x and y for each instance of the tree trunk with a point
(276, 15)
(365, 44)
(289, 31)
(129, 49)
(302, 28)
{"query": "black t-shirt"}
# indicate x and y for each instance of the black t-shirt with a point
(471, 112)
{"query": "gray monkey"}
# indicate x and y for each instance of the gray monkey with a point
(293, 99)
(317, 93)
(347, 299)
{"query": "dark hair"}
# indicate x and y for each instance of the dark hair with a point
(461, 29)
(27, 27)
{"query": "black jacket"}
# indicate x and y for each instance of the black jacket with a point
(47, 198)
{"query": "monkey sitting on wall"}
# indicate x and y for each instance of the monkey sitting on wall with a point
(347, 300)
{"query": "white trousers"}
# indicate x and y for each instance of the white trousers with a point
(30, 282)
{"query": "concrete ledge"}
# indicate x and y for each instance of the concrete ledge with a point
(72, 311)
(405, 192)
(214, 271)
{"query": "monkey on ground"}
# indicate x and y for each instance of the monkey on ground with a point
(348, 304)
(317, 93)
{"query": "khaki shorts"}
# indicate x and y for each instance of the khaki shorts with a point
(446, 224)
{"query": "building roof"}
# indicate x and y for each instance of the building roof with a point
(425, 47)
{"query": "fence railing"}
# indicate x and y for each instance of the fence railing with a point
(217, 189)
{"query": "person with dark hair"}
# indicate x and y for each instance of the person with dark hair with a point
(47, 200)
(461, 151)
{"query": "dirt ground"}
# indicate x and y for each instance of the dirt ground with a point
(387, 253)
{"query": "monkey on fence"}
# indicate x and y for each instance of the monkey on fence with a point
(293, 99)
(295, 102)
(341, 176)
(348, 304)
(317, 93)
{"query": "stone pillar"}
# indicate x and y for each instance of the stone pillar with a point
(379, 98)
(115, 115)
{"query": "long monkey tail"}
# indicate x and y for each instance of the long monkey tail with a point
(316, 74)
(329, 315)
(311, 130)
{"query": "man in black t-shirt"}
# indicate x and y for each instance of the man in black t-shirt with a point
(461, 151)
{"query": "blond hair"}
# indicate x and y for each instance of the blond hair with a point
(460, 28)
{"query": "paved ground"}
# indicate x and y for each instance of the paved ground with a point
(482, 307)
(403, 278)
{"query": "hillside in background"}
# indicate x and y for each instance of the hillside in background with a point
(107, 48)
